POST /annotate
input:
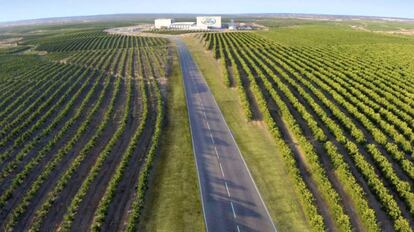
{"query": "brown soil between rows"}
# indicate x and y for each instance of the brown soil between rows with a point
(256, 113)
(46, 109)
(121, 203)
(369, 158)
(90, 201)
(292, 142)
(302, 164)
(64, 164)
(119, 209)
(22, 90)
(325, 161)
(59, 208)
(381, 216)
(23, 188)
(33, 153)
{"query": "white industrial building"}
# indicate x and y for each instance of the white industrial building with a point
(163, 23)
(202, 23)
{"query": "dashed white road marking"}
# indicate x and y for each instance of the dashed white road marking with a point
(212, 139)
(232, 208)
(221, 168)
(215, 149)
(218, 157)
(217, 154)
(227, 188)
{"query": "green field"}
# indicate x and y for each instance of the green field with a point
(338, 102)
(81, 117)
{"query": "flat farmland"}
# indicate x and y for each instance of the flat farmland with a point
(344, 123)
(79, 131)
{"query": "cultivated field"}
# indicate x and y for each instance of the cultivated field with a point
(79, 130)
(344, 123)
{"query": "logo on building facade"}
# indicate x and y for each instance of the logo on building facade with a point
(209, 21)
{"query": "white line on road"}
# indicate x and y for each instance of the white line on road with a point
(217, 154)
(221, 168)
(212, 139)
(232, 208)
(245, 165)
(192, 84)
(227, 188)
(215, 149)
(192, 142)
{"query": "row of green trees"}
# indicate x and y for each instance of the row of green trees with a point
(25, 202)
(316, 168)
(307, 199)
(102, 210)
(289, 64)
(72, 210)
(33, 143)
(364, 91)
(376, 133)
(101, 42)
(143, 179)
(53, 195)
(13, 91)
(11, 124)
(305, 73)
(381, 75)
(383, 160)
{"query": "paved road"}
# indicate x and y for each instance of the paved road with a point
(230, 199)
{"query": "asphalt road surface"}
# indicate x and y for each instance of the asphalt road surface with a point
(230, 198)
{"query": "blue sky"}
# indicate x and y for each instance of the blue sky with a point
(12, 10)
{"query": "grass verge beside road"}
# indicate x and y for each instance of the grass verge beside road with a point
(173, 200)
(259, 150)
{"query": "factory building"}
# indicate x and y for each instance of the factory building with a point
(163, 23)
(202, 23)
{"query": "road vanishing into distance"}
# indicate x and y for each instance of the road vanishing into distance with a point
(230, 198)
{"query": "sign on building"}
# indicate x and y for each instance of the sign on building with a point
(209, 22)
